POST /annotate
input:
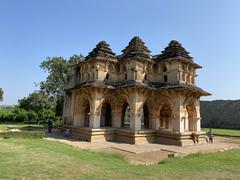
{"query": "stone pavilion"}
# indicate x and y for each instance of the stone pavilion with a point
(135, 97)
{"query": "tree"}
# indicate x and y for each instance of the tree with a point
(1, 94)
(46, 114)
(56, 67)
(21, 115)
(57, 74)
(53, 86)
(76, 59)
(36, 101)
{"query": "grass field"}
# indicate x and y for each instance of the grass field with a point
(228, 132)
(43, 159)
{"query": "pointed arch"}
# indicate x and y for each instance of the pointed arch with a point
(106, 115)
(82, 111)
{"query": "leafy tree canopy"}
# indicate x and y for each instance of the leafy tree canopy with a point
(56, 67)
(36, 102)
(76, 59)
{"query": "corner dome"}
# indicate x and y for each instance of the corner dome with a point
(174, 50)
(101, 50)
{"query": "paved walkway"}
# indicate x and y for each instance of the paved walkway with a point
(147, 153)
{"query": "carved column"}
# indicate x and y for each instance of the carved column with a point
(155, 122)
(198, 120)
(135, 116)
(95, 114)
(137, 98)
(177, 121)
(95, 107)
(71, 111)
(116, 117)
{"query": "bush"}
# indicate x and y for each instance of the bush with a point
(7, 115)
(28, 117)
(23, 135)
(32, 117)
(21, 115)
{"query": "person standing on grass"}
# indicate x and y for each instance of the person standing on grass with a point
(210, 136)
(50, 124)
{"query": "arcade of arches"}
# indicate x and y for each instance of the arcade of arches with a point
(130, 115)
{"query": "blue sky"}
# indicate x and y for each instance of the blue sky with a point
(32, 30)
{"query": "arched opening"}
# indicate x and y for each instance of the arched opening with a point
(165, 78)
(106, 115)
(125, 76)
(165, 117)
(86, 115)
(145, 77)
(145, 117)
(164, 69)
(192, 117)
(107, 76)
(124, 69)
(81, 112)
(110, 68)
(125, 119)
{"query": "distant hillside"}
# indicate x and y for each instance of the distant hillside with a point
(221, 113)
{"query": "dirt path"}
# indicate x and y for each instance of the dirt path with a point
(147, 153)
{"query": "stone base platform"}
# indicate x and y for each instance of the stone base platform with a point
(138, 137)
(179, 138)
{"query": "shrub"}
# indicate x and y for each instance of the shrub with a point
(21, 115)
(32, 117)
(23, 135)
(7, 115)
(29, 117)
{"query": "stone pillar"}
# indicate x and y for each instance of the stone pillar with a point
(180, 76)
(198, 120)
(77, 119)
(185, 119)
(116, 117)
(178, 113)
(70, 116)
(95, 114)
(135, 116)
(176, 119)
(155, 122)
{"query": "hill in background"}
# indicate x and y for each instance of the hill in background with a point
(221, 113)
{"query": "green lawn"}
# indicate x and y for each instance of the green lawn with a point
(229, 132)
(43, 159)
